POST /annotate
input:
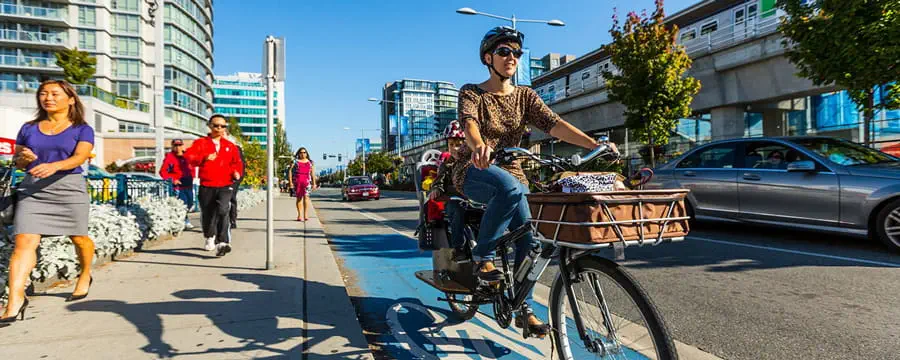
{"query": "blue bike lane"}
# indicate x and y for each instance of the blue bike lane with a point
(401, 314)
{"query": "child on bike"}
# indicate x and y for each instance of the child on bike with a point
(443, 188)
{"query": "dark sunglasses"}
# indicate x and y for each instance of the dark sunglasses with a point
(505, 51)
(216, 126)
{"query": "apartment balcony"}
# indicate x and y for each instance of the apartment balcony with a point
(35, 14)
(26, 63)
(43, 40)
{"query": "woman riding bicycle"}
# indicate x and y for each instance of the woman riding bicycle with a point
(495, 114)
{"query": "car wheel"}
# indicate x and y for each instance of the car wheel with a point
(888, 225)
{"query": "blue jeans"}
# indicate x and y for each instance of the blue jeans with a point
(186, 195)
(507, 209)
(457, 223)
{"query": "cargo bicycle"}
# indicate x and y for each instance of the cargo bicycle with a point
(597, 309)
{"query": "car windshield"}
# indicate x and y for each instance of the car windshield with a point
(359, 181)
(846, 153)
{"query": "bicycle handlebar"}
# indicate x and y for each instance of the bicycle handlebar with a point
(604, 150)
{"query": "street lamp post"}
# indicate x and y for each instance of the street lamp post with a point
(155, 12)
(513, 20)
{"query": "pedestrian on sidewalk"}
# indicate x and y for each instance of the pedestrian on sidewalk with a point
(303, 180)
(220, 165)
(237, 183)
(176, 168)
(53, 198)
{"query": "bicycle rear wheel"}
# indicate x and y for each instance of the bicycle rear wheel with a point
(620, 320)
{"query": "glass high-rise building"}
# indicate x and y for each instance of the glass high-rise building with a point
(425, 108)
(241, 97)
(120, 35)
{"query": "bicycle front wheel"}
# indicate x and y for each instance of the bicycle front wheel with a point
(620, 321)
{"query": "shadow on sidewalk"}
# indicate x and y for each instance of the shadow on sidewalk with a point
(406, 327)
(253, 317)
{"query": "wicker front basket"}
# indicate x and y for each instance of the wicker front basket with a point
(624, 215)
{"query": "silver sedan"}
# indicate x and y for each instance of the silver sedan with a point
(815, 183)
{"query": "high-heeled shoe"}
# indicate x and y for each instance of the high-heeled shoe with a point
(74, 297)
(20, 315)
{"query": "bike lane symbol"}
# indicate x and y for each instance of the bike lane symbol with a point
(453, 340)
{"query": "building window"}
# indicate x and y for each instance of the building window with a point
(709, 27)
(130, 127)
(126, 46)
(128, 89)
(129, 69)
(87, 39)
(126, 5)
(87, 16)
(126, 24)
(144, 151)
(688, 35)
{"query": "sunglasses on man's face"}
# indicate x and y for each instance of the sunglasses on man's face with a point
(505, 51)
(217, 126)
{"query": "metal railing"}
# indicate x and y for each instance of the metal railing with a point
(34, 11)
(122, 190)
(34, 37)
(31, 87)
(764, 24)
(112, 99)
(29, 61)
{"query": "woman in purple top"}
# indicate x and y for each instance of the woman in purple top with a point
(53, 198)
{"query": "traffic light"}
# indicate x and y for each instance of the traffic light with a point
(324, 157)
(339, 157)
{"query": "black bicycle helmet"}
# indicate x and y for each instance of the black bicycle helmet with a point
(497, 35)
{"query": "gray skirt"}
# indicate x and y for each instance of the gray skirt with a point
(57, 205)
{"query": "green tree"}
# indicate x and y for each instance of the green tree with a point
(78, 66)
(254, 163)
(649, 78)
(379, 162)
(854, 44)
(283, 155)
(355, 167)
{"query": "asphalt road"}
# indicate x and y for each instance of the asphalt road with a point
(745, 292)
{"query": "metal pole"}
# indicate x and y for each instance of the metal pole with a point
(515, 79)
(159, 111)
(362, 134)
(399, 136)
(270, 152)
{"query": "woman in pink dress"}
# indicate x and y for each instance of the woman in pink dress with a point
(303, 180)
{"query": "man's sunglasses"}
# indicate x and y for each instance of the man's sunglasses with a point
(217, 126)
(505, 51)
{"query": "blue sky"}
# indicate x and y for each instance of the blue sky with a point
(340, 53)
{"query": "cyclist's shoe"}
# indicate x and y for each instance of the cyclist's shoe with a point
(536, 328)
(487, 274)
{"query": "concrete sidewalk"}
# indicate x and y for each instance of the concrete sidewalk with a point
(177, 300)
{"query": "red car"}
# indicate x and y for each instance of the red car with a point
(360, 188)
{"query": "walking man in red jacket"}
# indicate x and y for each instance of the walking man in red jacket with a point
(176, 169)
(220, 165)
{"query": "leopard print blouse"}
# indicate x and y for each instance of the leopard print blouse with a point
(501, 120)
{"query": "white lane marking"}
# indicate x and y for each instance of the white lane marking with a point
(444, 344)
(378, 219)
(797, 252)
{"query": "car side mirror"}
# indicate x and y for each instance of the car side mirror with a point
(801, 166)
